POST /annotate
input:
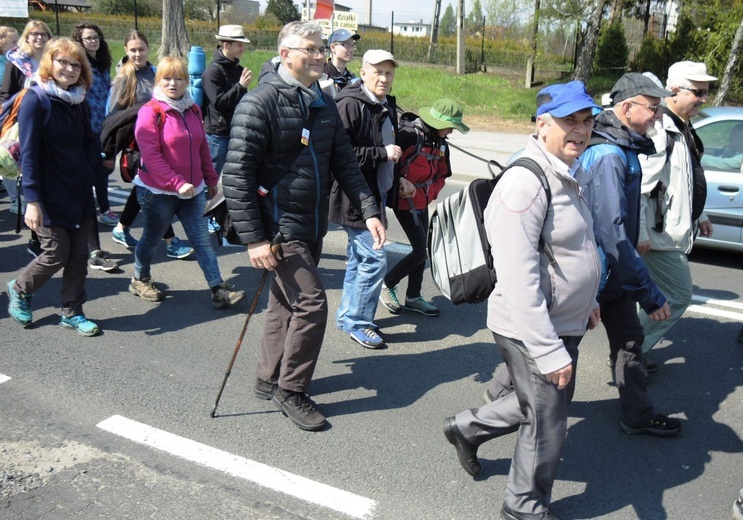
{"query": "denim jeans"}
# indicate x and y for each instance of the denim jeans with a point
(363, 282)
(159, 211)
(218, 145)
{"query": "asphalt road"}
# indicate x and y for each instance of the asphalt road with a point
(72, 406)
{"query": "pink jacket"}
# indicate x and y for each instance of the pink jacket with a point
(178, 154)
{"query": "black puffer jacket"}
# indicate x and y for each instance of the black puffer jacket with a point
(222, 93)
(363, 121)
(266, 131)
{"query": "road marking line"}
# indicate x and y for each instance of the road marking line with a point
(720, 303)
(4, 378)
(261, 474)
(701, 309)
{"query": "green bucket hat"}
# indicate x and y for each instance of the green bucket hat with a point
(445, 113)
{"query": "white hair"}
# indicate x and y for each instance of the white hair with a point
(293, 32)
(678, 82)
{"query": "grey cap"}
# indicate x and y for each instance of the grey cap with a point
(635, 84)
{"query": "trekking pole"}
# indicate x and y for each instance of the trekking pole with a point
(276, 249)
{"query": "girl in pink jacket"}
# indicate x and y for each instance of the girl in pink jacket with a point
(175, 178)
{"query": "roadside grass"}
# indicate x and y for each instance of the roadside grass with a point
(487, 98)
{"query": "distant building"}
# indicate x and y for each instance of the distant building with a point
(246, 11)
(72, 6)
(415, 28)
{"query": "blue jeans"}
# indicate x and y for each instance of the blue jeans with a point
(159, 211)
(218, 145)
(363, 282)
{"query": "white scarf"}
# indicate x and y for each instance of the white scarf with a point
(181, 105)
(74, 95)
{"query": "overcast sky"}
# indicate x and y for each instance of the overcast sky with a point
(405, 10)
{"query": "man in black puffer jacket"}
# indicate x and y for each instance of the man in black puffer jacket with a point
(369, 115)
(286, 138)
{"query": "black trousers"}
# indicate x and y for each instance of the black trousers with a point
(414, 264)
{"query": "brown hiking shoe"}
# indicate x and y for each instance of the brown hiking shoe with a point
(145, 289)
(264, 389)
(298, 407)
(226, 295)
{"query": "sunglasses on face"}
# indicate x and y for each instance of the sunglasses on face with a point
(653, 108)
(700, 93)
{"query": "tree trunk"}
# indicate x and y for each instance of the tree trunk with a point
(174, 38)
(534, 45)
(590, 40)
(646, 18)
(730, 67)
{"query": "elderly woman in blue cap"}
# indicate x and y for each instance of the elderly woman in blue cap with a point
(423, 167)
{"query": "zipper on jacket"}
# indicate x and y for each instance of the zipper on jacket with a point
(190, 141)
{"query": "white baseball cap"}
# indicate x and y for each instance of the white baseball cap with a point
(689, 70)
(376, 56)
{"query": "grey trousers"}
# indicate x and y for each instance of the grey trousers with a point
(295, 320)
(537, 410)
(65, 249)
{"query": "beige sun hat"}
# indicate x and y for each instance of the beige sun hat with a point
(231, 33)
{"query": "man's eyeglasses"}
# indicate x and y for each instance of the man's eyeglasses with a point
(349, 45)
(653, 108)
(698, 92)
(91, 39)
(311, 51)
(66, 64)
(38, 35)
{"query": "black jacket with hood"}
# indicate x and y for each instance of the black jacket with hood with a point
(266, 150)
(222, 92)
(363, 120)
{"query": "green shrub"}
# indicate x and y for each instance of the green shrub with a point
(612, 53)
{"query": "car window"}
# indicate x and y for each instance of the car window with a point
(723, 145)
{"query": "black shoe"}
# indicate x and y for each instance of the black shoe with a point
(466, 452)
(650, 365)
(506, 513)
(298, 407)
(264, 389)
(659, 426)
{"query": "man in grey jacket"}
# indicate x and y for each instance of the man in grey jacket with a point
(674, 191)
(537, 316)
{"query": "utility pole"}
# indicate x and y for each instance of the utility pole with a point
(460, 37)
(434, 30)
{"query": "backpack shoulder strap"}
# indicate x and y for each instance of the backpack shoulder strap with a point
(45, 102)
(533, 166)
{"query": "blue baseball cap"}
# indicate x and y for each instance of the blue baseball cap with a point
(563, 99)
(342, 35)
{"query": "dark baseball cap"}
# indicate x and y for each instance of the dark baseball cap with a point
(343, 35)
(635, 84)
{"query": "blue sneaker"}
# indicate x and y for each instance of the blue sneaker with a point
(213, 226)
(176, 249)
(124, 238)
(19, 307)
(81, 324)
(367, 338)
